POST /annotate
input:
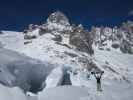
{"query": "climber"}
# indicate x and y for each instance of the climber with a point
(98, 76)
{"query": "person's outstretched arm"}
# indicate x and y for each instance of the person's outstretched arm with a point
(101, 74)
(95, 75)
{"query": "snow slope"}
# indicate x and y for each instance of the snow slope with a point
(63, 93)
(117, 63)
(117, 81)
(14, 93)
(44, 48)
(14, 39)
(83, 93)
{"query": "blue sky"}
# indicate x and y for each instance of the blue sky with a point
(17, 14)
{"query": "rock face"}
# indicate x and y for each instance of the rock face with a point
(114, 38)
(82, 40)
(104, 38)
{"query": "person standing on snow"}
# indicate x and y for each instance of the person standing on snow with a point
(98, 76)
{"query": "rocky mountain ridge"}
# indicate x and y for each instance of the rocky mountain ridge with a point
(119, 39)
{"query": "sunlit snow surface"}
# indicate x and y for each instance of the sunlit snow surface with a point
(113, 85)
(117, 81)
(15, 93)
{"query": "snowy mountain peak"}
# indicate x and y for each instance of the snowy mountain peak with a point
(59, 18)
(56, 22)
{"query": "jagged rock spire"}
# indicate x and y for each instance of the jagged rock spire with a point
(58, 17)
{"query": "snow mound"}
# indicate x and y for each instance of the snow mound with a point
(15, 93)
(63, 93)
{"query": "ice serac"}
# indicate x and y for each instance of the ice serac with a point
(22, 71)
(55, 78)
